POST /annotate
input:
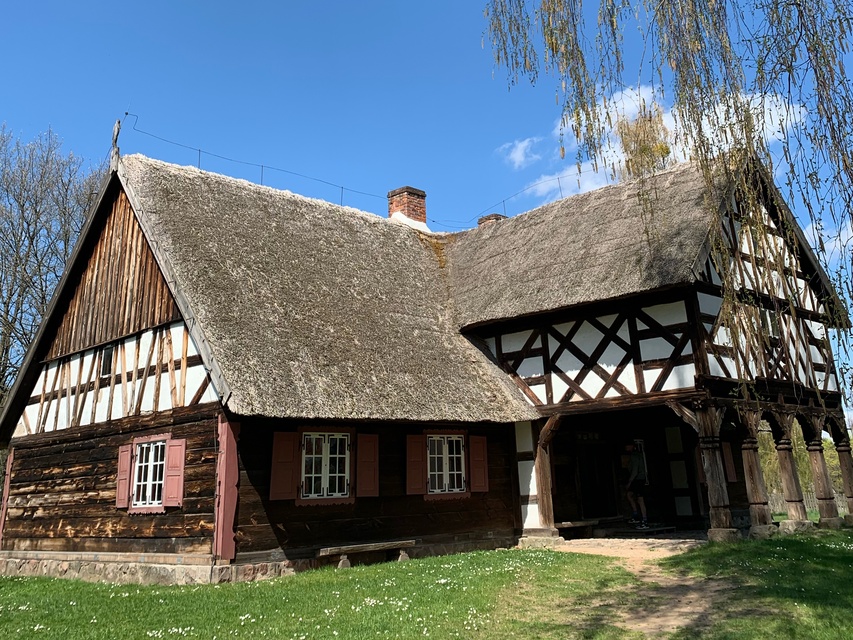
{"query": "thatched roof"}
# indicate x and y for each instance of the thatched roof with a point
(313, 310)
(599, 245)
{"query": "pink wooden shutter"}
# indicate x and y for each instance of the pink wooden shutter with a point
(125, 453)
(416, 465)
(173, 486)
(284, 476)
(478, 471)
(367, 466)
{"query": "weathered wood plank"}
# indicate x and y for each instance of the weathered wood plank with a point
(364, 548)
(110, 545)
(121, 290)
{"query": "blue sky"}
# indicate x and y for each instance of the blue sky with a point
(369, 95)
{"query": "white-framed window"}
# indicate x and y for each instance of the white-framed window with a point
(325, 465)
(446, 463)
(149, 474)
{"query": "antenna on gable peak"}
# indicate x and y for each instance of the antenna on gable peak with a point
(114, 154)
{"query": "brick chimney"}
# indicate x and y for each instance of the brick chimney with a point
(408, 205)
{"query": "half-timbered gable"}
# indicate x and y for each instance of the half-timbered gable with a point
(765, 304)
(592, 304)
(119, 347)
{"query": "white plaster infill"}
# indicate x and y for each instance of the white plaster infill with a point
(401, 218)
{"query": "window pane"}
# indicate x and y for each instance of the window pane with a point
(149, 472)
(325, 465)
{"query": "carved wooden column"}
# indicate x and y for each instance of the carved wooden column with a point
(797, 516)
(825, 494)
(706, 421)
(845, 461)
(761, 519)
(709, 420)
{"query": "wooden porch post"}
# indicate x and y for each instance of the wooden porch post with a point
(543, 486)
(710, 419)
(707, 421)
(797, 516)
(845, 461)
(761, 520)
(825, 494)
(534, 477)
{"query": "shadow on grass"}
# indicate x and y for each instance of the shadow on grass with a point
(798, 586)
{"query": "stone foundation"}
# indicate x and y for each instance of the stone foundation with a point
(830, 523)
(762, 531)
(724, 535)
(539, 542)
(166, 569)
(789, 527)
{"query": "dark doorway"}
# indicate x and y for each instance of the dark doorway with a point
(597, 479)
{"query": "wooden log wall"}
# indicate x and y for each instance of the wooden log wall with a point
(264, 525)
(121, 290)
(62, 491)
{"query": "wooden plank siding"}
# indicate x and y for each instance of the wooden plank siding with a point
(264, 525)
(62, 490)
(121, 290)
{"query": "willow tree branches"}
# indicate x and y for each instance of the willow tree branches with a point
(745, 79)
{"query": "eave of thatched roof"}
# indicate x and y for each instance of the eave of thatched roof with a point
(599, 245)
(307, 309)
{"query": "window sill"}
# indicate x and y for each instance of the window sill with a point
(317, 502)
(447, 496)
(153, 509)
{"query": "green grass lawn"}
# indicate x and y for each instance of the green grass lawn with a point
(484, 594)
(795, 587)
(792, 587)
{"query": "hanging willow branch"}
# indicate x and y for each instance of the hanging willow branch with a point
(726, 67)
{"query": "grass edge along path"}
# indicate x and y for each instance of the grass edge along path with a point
(785, 587)
(496, 594)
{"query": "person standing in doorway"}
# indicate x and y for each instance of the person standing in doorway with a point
(636, 487)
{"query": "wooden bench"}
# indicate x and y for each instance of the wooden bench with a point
(344, 550)
(585, 526)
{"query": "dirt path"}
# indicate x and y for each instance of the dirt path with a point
(670, 602)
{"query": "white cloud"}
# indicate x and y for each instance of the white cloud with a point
(519, 153)
(569, 182)
(773, 116)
